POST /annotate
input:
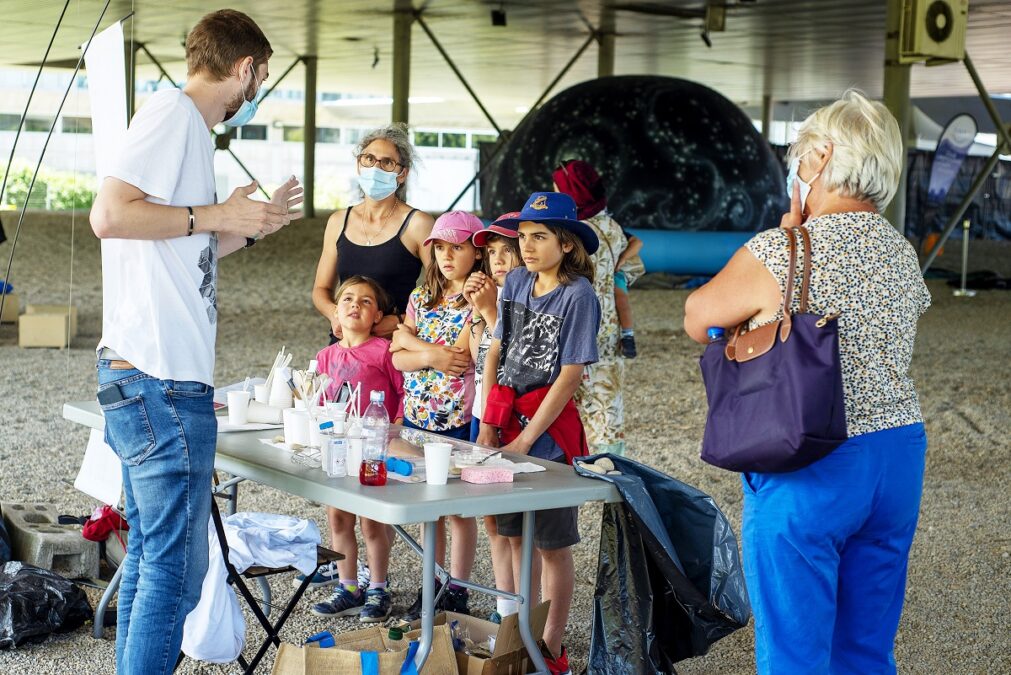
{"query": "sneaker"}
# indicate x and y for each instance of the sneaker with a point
(628, 346)
(455, 600)
(413, 612)
(325, 576)
(364, 574)
(377, 606)
(343, 603)
(560, 665)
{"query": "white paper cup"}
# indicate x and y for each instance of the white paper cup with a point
(280, 394)
(437, 463)
(296, 427)
(260, 393)
(238, 408)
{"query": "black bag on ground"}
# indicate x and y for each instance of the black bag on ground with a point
(669, 578)
(35, 603)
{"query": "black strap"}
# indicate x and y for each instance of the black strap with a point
(407, 219)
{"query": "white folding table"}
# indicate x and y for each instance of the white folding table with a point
(398, 504)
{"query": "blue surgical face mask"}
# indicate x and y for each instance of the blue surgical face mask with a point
(376, 183)
(805, 187)
(246, 111)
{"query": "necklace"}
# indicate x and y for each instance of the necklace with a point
(383, 222)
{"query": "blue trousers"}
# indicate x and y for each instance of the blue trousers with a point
(165, 434)
(825, 553)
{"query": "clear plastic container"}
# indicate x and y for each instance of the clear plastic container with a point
(375, 433)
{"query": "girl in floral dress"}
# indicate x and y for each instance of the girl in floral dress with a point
(432, 350)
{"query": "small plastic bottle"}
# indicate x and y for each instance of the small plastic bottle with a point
(396, 639)
(337, 465)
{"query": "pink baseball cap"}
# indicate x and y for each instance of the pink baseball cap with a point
(498, 227)
(455, 227)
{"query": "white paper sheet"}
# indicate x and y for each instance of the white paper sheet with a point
(101, 474)
(106, 70)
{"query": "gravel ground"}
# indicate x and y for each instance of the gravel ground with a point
(959, 587)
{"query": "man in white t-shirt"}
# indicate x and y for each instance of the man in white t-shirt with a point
(162, 234)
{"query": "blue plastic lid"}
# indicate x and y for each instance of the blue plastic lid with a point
(5, 288)
(326, 425)
(715, 333)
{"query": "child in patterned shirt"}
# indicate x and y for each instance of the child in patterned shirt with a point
(432, 350)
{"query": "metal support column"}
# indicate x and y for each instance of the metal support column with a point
(309, 137)
(403, 17)
(605, 42)
(896, 99)
(767, 115)
(130, 50)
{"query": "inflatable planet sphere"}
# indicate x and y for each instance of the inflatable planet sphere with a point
(673, 154)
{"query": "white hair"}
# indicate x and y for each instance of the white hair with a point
(867, 157)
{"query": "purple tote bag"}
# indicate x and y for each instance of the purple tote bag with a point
(775, 393)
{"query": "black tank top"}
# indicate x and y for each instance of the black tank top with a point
(390, 263)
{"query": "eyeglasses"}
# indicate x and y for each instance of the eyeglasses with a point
(385, 163)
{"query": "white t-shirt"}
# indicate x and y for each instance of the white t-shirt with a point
(160, 297)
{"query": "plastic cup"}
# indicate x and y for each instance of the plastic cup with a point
(260, 394)
(296, 427)
(437, 463)
(238, 408)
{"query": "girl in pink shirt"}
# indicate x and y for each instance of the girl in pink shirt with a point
(359, 358)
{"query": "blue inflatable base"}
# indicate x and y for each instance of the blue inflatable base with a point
(694, 253)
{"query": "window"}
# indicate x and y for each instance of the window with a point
(253, 132)
(9, 122)
(328, 135)
(294, 134)
(426, 139)
(76, 125)
(482, 138)
(355, 134)
(454, 140)
(37, 124)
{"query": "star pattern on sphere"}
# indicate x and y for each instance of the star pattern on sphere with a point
(208, 264)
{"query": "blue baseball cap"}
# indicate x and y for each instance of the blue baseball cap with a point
(555, 208)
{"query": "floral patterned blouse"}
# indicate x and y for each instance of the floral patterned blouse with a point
(865, 270)
(434, 400)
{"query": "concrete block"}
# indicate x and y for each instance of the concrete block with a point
(70, 310)
(44, 330)
(38, 539)
(12, 307)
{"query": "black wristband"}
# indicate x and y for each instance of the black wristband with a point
(193, 221)
(249, 242)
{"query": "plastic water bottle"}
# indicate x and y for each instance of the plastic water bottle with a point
(715, 333)
(375, 431)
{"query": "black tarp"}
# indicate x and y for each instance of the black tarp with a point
(669, 577)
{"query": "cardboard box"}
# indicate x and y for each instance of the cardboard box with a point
(12, 307)
(57, 309)
(344, 658)
(43, 330)
(509, 656)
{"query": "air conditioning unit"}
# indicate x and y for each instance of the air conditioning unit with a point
(933, 29)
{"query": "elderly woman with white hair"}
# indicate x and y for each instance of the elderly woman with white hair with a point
(826, 547)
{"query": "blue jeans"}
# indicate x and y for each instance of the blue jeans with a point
(164, 432)
(825, 553)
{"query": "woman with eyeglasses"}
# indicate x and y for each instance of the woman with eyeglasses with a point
(381, 237)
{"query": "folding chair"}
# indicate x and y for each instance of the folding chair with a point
(323, 557)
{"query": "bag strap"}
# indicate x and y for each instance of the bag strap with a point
(787, 322)
(805, 287)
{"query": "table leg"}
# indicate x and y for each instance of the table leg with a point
(103, 604)
(427, 596)
(526, 568)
